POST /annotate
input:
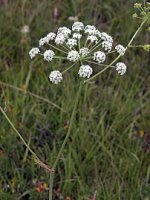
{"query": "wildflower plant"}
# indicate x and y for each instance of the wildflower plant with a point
(82, 46)
(142, 13)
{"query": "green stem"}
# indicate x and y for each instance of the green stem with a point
(95, 47)
(57, 48)
(95, 63)
(70, 125)
(68, 68)
(97, 74)
(65, 47)
(24, 142)
(66, 139)
(136, 33)
(26, 87)
(60, 57)
(27, 150)
(32, 94)
(119, 55)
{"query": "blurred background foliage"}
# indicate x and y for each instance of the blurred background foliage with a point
(108, 151)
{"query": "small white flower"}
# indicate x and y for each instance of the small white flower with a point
(33, 52)
(92, 38)
(77, 35)
(90, 30)
(107, 46)
(43, 41)
(71, 43)
(73, 18)
(77, 26)
(25, 29)
(51, 36)
(73, 56)
(98, 33)
(48, 55)
(121, 68)
(85, 71)
(84, 51)
(60, 39)
(99, 56)
(65, 31)
(106, 37)
(55, 77)
(120, 49)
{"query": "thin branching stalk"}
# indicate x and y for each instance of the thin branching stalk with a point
(135, 34)
(57, 48)
(32, 94)
(34, 156)
(14, 128)
(68, 68)
(65, 140)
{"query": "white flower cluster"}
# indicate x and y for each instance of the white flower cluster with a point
(65, 31)
(60, 39)
(99, 56)
(25, 29)
(77, 26)
(107, 45)
(77, 35)
(121, 68)
(84, 52)
(46, 39)
(92, 38)
(98, 33)
(48, 55)
(55, 77)
(51, 36)
(106, 37)
(85, 71)
(73, 56)
(79, 44)
(90, 30)
(71, 42)
(33, 52)
(120, 49)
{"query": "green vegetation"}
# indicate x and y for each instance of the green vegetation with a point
(108, 151)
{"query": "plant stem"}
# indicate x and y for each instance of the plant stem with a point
(32, 94)
(94, 48)
(136, 33)
(57, 48)
(24, 142)
(68, 68)
(119, 55)
(35, 157)
(60, 57)
(96, 63)
(97, 74)
(66, 139)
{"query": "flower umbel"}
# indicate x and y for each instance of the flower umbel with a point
(107, 46)
(80, 44)
(120, 49)
(121, 68)
(99, 56)
(73, 56)
(84, 51)
(33, 52)
(71, 42)
(55, 77)
(48, 55)
(77, 26)
(85, 71)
